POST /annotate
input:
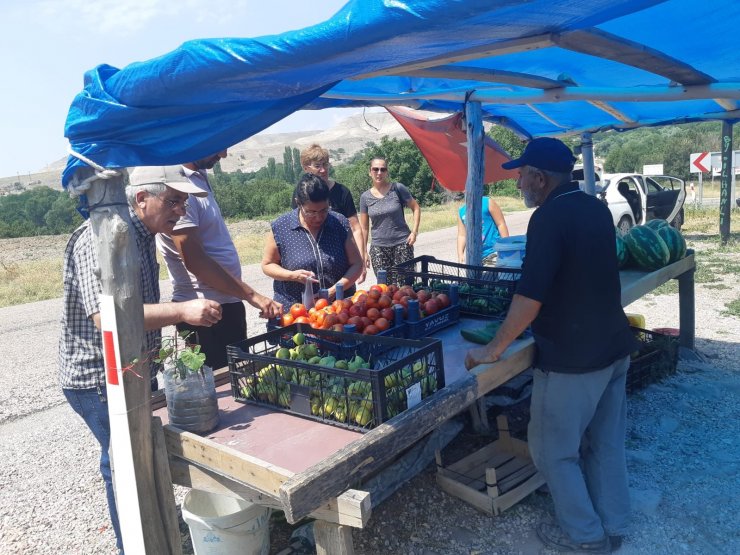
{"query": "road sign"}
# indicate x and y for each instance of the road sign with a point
(700, 162)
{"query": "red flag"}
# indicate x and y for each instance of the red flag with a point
(443, 143)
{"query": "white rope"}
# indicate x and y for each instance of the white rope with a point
(77, 187)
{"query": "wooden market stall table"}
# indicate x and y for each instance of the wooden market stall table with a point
(307, 468)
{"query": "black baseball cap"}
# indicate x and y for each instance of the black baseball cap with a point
(544, 153)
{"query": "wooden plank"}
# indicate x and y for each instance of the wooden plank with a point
(332, 539)
(479, 500)
(601, 44)
(351, 508)
(503, 502)
(487, 75)
(636, 284)
(264, 477)
(163, 484)
(474, 460)
(304, 492)
(687, 309)
(500, 48)
(518, 357)
(511, 481)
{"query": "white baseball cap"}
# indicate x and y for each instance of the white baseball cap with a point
(172, 176)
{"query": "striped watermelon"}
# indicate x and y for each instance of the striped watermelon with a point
(657, 224)
(623, 254)
(675, 242)
(647, 250)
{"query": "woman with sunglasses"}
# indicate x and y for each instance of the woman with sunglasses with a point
(381, 206)
(310, 244)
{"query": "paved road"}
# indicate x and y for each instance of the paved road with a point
(29, 332)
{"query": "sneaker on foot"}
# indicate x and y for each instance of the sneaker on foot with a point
(554, 538)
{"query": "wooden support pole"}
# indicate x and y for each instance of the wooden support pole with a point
(332, 539)
(474, 184)
(725, 184)
(129, 393)
(165, 495)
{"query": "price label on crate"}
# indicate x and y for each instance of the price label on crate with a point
(413, 395)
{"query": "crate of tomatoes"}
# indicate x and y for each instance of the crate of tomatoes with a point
(342, 379)
(369, 312)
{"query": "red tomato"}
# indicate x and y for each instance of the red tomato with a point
(371, 330)
(384, 301)
(302, 320)
(423, 296)
(359, 293)
(356, 321)
(343, 317)
(287, 319)
(298, 310)
(377, 288)
(430, 307)
(373, 313)
(366, 321)
(392, 289)
(321, 303)
(347, 303)
(443, 300)
(388, 314)
(374, 294)
(330, 320)
(337, 307)
(382, 324)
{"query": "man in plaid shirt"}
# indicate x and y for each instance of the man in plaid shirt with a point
(157, 198)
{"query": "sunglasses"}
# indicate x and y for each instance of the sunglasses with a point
(381, 170)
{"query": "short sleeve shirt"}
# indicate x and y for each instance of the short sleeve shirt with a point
(80, 355)
(325, 256)
(204, 214)
(388, 227)
(571, 268)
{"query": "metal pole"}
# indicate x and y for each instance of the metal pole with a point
(587, 150)
(725, 182)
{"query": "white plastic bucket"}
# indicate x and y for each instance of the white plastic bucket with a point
(221, 525)
(511, 251)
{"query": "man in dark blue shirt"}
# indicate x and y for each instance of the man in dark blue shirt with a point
(570, 293)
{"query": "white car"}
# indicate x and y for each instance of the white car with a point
(633, 198)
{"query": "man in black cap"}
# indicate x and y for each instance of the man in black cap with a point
(570, 293)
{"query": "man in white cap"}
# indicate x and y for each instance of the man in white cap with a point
(157, 198)
(203, 263)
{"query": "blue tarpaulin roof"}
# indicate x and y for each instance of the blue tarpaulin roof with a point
(540, 67)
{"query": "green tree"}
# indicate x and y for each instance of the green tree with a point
(297, 168)
(288, 171)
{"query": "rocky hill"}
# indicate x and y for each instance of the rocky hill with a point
(342, 141)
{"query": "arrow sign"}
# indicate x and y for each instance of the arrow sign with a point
(698, 162)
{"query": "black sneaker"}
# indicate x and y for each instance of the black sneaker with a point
(554, 538)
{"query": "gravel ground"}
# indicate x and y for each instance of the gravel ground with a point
(684, 457)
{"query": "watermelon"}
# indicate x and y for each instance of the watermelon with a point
(623, 254)
(647, 250)
(657, 224)
(675, 242)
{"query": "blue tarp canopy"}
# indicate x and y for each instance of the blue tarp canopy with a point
(539, 67)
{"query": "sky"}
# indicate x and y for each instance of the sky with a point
(47, 45)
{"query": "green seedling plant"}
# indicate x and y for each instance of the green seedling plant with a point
(182, 357)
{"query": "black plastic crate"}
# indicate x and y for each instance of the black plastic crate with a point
(399, 373)
(483, 290)
(655, 360)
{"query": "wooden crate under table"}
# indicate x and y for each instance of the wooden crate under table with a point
(495, 477)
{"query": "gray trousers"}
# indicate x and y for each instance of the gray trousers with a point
(576, 438)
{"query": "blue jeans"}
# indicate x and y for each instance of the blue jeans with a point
(576, 438)
(93, 408)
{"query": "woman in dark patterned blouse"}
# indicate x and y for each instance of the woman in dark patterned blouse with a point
(310, 243)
